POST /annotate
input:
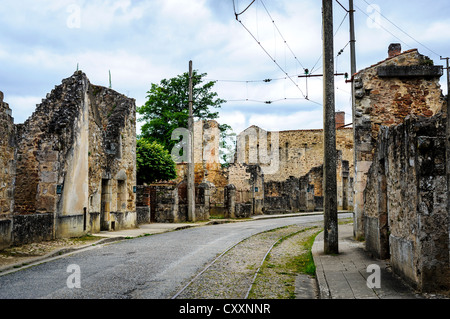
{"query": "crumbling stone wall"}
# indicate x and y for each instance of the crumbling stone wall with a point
(298, 150)
(7, 172)
(387, 92)
(248, 181)
(282, 197)
(297, 153)
(52, 154)
(166, 202)
(405, 208)
(265, 162)
(79, 139)
(207, 166)
(112, 158)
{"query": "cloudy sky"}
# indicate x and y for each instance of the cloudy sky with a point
(144, 41)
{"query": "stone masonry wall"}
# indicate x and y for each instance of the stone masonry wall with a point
(386, 93)
(406, 202)
(298, 150)
(7, 172)
(112, 158)
(52, 158)
(78, 137)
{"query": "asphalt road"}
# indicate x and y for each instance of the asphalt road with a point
(153, 267)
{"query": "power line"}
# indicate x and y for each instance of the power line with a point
(279, 32)
(238, 14)
(374, 21)
(335, 33)
(270, 56)
(250, 81)
(271, 101)
(395, 25)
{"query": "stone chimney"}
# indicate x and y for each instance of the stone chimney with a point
(340, 119)
(395, 49)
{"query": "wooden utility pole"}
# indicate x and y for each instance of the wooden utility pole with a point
(191, 164)
(329, 129)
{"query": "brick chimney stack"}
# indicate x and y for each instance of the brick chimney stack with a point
(340, 119)
(395, 49)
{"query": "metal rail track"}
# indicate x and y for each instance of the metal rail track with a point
(227, 250)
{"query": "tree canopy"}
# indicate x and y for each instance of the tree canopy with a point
(167, 107)
(153, 163)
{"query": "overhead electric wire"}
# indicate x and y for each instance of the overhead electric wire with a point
(395, 25)
(374, 21)
(266, 101)
(335, 33)
(238, 14)
(270, 56)
(279, 32)
(342, 6)
(250, 81)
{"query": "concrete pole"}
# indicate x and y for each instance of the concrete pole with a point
(329, 129)
(351, 11)
(447, 145)
(191, 164)
(353, 70)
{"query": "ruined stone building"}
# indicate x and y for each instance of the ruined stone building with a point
(70, 168)
(167, 201)
(294, 181)
(403, 84)
(401, 196)
(273, 172)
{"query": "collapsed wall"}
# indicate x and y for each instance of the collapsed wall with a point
(52, 162)
(74, 164)
(405, 210)
(112, 159)
(7, 172)
(386, 93)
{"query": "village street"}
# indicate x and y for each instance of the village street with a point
(152, 267)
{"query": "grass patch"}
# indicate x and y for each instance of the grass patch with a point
(304, 264)
(217, 217)
(86, 238)
(345, 221)
(282, 271)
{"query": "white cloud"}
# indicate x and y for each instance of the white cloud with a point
(236, 119)
(22, 106)
(294, 121)
(103, 15)
(142, 42)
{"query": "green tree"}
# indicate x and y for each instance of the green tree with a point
(167, 107)
(153, 162)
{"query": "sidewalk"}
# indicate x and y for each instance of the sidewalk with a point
(344, 276)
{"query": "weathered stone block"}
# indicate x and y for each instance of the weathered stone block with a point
(32, 228)
(410, 71)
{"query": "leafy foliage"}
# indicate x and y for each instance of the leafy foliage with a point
(153, 162)
(167, 107)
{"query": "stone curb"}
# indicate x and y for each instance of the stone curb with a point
(56, 253)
